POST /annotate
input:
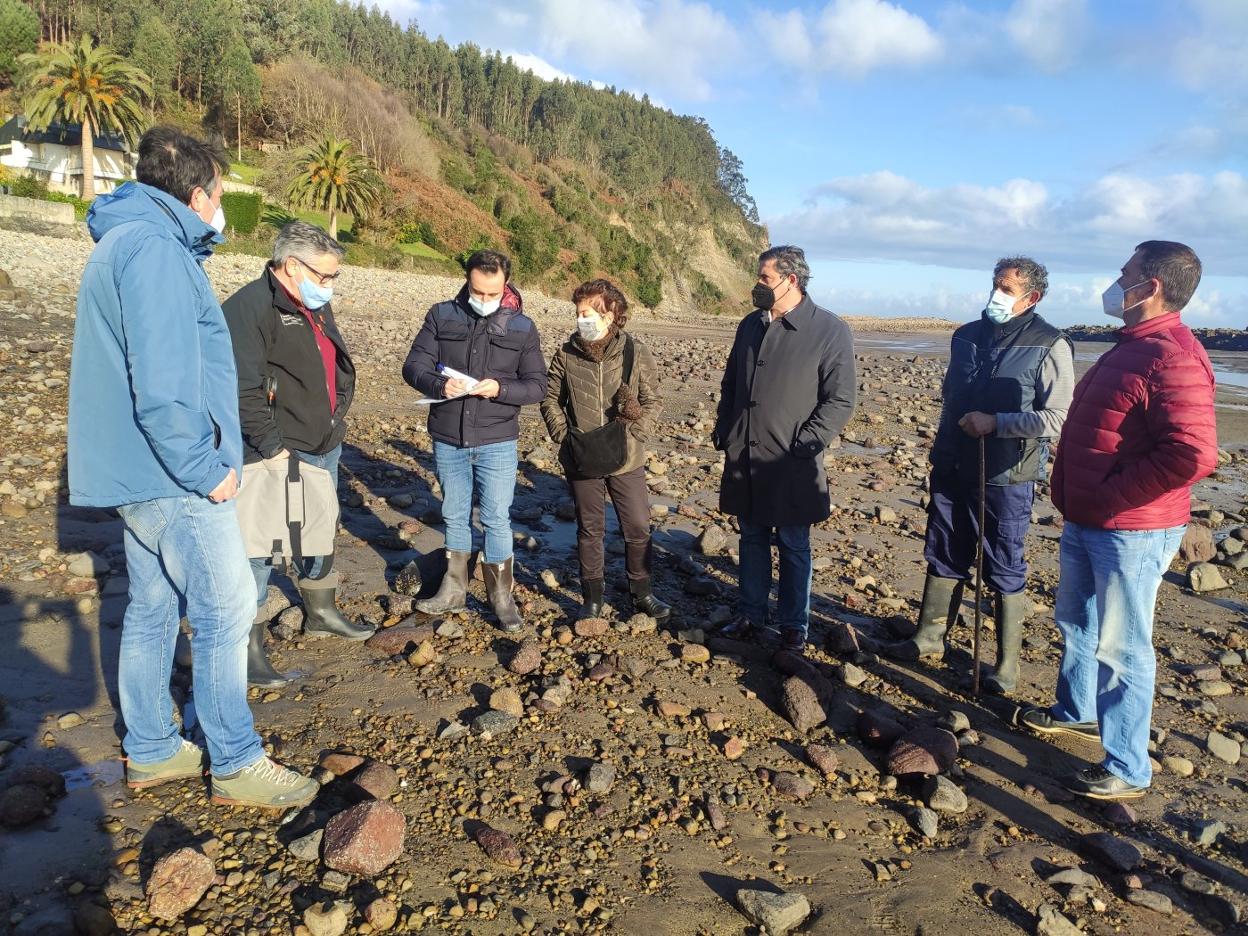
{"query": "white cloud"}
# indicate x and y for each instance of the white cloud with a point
(884, 216)
(851, 37)
(1213, 54)
(1048, 32)
(538, 66)
(672, 43)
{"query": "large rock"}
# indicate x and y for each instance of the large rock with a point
(178, 882)
(21, 804)
(1112, 851)
(778, 913)
(790, 784)
(402, 638)
(923, 751)
(1197, 545)
(527, 658)
(712, 541)
(365, 839)
(823, 757)
(1223, 748)
(801, 704)
(1205, 577)
(376, 779)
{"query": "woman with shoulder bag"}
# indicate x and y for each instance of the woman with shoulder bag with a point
(600, 407)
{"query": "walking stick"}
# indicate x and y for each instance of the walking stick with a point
(979, 573)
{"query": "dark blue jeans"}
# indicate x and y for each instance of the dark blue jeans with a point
(953, 527)
(793, 597)
(263, 568)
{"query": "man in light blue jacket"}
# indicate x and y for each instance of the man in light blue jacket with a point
(154, 432)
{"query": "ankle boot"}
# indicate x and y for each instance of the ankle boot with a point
(321, 615)
(645, 602)
(452, 594)
(260, 671)
(1010, 613)
(498, 587)
(591, 592)
(941, 599)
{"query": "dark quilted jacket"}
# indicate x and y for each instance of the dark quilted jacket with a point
(1140, 432)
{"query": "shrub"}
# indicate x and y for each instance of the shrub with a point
(242, 210)
(650, 290)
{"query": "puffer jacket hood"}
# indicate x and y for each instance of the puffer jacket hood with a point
(134, 201)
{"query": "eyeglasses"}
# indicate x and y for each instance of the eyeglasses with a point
(322, 278)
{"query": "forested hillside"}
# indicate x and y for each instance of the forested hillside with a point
(573, 180)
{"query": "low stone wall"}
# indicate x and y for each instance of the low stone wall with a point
(30, 209)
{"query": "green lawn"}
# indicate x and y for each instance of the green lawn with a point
(241, 172)
(422, 250)
(321, 218)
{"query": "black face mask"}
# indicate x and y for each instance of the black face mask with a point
(765, 298)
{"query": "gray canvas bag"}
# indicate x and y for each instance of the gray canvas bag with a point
(288, 509)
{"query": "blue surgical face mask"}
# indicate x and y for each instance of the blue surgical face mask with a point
(482, 308)
(1000, 308)
(313, 295)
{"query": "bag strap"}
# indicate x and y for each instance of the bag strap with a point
(294, 527)
(628, 360)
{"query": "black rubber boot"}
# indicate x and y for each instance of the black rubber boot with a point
(321, 615)
(260, 671)
(1010, 613)
(498, 587)
(452, 594)
(645, 602)
(591, 592)
(942, 597)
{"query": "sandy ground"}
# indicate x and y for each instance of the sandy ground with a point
(642, 857)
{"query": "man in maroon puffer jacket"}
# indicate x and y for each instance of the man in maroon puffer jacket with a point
(1140, 432)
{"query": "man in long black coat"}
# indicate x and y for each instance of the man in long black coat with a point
(788, 390)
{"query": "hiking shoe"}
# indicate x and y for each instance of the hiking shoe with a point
(1099, 784)
(739, 628)
(792, 639)
(1038, 719)
(187, 763)
(266, 784)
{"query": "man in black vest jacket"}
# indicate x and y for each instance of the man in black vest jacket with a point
(481, 354)
(788, 390)
(295, 385)
(1010, 380)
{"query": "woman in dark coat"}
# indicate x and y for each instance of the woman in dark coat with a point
(587, 388)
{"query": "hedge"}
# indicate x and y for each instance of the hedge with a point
(242, 210)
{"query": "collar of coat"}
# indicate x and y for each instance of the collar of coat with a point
(801, 314)
(596, 351)
(1148, 327)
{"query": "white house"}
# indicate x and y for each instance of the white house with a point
(55, 156)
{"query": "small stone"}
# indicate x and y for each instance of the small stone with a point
(842, 638)
(923, 751)
(669, 709)
(376, 779)
(1112, 851)
(423, 655)
(1052, 922)
(1197, 545)
(527, 658)
(69, 720)
(712, 541)
(694, 653)
(1073, 876)
(494, 724)
(402, 638)
(792, 785)
(381, 914)
(715, 812)
(943, 795)
(507, 700)
(852, 675)
(177, 883)
(591, 627)
(1179, 766)
(307, 847)
(498, 845)
(823, 758)
(925, 821)
(600, 778)
(329, 919)
(552, 819)
(1119, 814)
(1152, 900)
(954, 721)
(21, 804)
(365, 839)
(714, 721)
(734, 747)
(1205, 577)
(1206, 832)
(777, 913)
(801, 704)
(1223, 748)
(340, 764)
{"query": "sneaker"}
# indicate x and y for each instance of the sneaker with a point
(266, 784)
(1038, 719)
(739, 628)
(792, 639)
(1099, 784)
(187, 763)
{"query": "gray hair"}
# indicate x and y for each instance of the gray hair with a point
(305, 242)
(1034, 276)
(790, 261)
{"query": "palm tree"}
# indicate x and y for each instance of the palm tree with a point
(333, 177)
(88, 85)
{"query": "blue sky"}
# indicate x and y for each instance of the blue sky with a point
(906, 145)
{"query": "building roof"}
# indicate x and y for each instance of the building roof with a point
(62, 134)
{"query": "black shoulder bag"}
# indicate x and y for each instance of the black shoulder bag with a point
(601, 452)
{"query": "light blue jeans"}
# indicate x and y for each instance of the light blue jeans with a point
(489, 471)
(796, 573)
(263, 568)
(187, 549)
(1104, 610)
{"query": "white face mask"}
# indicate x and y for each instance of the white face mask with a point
(218, 220)
(484, 309)
(1113, 298)
(1000, 308)
(591, 327)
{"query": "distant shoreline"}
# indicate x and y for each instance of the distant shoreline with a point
(1214, 339)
